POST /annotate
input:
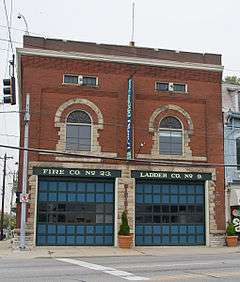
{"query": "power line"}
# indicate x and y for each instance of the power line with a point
(143, 161)
(19, 29)
(8, 24)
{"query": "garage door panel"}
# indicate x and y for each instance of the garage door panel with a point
(75, 213)
(170, 214)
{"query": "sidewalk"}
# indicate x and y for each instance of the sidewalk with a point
(54, 251)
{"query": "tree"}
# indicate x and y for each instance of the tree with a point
(9, 221)
(124, 227)
(232, 79)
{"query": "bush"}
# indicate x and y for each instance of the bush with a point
(230, 230)
(124, 227)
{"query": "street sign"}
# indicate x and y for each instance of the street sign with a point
(24, 198)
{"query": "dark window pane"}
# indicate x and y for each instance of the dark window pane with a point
(89, 80)
(182, 208)
(42, 217)
(174, 219)
(174, 208)
(72, 79)
(179, 87)
(108, 208)
(191, 208)
(165, 219)
(148, 219)
(199, 208)
(165, 208)
(139, 219)
(42, 206)
(170, 122)
(157, 219)
(157, 209)
(79, 117)
(161, 86)
(61, 218)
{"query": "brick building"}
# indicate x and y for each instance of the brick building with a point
(141, 130)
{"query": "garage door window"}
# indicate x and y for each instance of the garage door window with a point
(170, 214)
(75, 213)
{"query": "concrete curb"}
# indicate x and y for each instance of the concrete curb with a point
(52, 252)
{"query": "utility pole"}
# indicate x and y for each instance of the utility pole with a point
(14, 190)
(3, 194)
(24, 176)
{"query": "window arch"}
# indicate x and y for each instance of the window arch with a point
(78, 131)
(170, 136)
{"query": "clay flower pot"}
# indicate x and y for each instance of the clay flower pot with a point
(231, 241)
(125, 241)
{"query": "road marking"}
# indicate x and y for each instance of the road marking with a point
(108, 270)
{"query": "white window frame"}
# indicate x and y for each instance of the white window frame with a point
(72, 123)
(171, 86)
(171, 129)
(80, 80)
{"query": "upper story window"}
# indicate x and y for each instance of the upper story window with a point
(238, 98)
(171, 87)
(170, 136)
(78, 131)
(80, 80)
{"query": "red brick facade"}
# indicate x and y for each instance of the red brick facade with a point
(42, 78)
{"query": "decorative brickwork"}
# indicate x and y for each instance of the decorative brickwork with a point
(187, 132)
(61, 124)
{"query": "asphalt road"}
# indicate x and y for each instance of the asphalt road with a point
(181, 267)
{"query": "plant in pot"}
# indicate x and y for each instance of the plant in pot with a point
(231, 238)
(124, 235)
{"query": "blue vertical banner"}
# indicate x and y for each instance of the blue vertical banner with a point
(129, 119)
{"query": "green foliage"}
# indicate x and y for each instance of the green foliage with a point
(232, 80)
(9, 221)
(124, 227)
(230, 230)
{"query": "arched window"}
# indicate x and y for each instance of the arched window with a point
(170, 136)
(78, 131)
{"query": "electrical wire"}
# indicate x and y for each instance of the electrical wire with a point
(144, 161)
(8, 24)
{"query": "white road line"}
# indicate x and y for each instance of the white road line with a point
(108, 270)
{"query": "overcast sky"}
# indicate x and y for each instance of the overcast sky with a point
(208, 26)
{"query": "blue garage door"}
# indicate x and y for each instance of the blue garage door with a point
(170, 213)
(75, 212)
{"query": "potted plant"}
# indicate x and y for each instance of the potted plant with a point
(124, 235)
(231, 238)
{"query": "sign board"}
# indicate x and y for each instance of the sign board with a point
(171, 175)
(74, 172)
(24, 198)
(129, 119)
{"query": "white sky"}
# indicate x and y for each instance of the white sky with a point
(210, 26)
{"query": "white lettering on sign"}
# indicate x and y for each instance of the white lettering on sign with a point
(105, 173)
(153, 174)
(90, 172)
(74, 172)
(188, 176)
(53, 171)
(175, 175)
